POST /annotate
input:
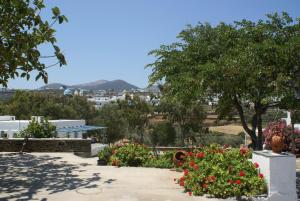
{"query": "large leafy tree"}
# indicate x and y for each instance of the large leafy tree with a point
(244, 65)
(22, 32)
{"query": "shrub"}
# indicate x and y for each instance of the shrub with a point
(165, 160)
(221, 172)
(134, 155)
(163, 134)
(44, 129)
(105, 154)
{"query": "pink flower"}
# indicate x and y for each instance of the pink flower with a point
(261, 175)
(186, 172)
(190, 193)
(256, 165)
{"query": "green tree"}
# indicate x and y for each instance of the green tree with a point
(22, 32)
(244, 65)
(188, 117)
(135, 111)
(162, 134)
(25, 104)
(111, 117)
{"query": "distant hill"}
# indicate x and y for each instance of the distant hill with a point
(90, 84)
(116, 85)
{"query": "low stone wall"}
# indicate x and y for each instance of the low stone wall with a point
(46, 145)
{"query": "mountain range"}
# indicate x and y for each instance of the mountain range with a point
(116, 85)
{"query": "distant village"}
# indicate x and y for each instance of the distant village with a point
(99, 97)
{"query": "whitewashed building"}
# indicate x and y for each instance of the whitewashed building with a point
(9, 126)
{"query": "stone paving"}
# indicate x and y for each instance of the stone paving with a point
(64, 176)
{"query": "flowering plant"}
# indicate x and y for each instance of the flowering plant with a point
(221, 172)
(134, 155)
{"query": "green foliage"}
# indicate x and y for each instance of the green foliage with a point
(244, 64)
(106, 153)
(188, 117)
(44, 129)
(162, 134)
(112, 117)
(133, 155)
(164, 160)
(22, 32)
(221, 172)
(135, 111)
(222, 139)
(24, 104)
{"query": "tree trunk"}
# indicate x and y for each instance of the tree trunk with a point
(259, 143)
(250, 132)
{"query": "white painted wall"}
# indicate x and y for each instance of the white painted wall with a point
(280, 174)
(15, 126)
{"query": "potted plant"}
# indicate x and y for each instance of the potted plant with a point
(104, 155)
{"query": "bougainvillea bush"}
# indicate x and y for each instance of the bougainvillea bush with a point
(280, 128)
(221, 172)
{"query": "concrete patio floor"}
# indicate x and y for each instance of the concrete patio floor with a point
(64, 176)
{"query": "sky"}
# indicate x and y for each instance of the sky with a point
(110, 39)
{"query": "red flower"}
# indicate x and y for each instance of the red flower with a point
(181, 179)
(256, 165)
(186, 172)
(190, 153)
(211, 178)
(230, 181)
(242, 173)
(261, 175)
(181, 183)
(192, 163)
(180, 164)
(190, 193)
(196, 167)
(204, 185)
(200, 155)
(238, 182)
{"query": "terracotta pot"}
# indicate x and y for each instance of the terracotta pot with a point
(179, 157)
(277, 144)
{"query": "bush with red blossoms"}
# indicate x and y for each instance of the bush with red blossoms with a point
(221, 173)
